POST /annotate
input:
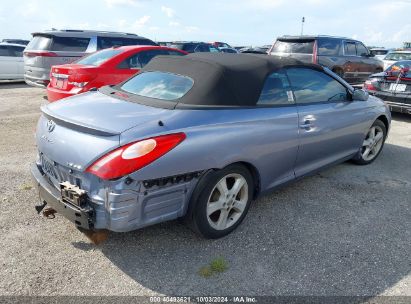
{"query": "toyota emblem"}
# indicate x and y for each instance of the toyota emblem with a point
(50, 125)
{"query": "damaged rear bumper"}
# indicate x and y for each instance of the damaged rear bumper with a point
(118, 205)
(82, 218)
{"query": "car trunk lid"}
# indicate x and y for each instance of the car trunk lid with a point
(76, 131)
(65, 77)
(100, 113)
(396, 84)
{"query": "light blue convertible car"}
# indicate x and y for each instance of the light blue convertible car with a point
(198, 137)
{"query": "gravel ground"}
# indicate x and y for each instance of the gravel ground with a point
(344, 231)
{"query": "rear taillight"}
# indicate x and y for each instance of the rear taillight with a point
(40, 54)
(315, 52)
(79, 84)
(369, 86)
(134, 156)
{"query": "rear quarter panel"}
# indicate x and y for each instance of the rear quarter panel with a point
(266, 138)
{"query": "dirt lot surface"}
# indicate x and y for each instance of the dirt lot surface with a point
(345, 231)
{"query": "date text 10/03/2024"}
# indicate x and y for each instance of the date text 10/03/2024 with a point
(202, 299)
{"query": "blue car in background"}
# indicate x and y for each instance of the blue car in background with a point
(199, 137)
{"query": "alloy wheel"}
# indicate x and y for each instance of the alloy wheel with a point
(227, 201)
(372, 143)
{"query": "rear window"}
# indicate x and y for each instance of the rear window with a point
(69, 44)
(16, 51)
(99, 57)
(378, 52)
(398, 56)
(159, 85)
(293, 46)
(39, 43)
(11, 50)
(329, 47)
(108, 42)
(400, 67)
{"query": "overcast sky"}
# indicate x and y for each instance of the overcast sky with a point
(238, 22)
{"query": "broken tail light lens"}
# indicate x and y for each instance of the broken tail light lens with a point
(134, 156)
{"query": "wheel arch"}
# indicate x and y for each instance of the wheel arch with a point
(197, 190)
(254, 173)
(384, 119)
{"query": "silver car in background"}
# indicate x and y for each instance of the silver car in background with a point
(11, 61)
(58, 47)
(394, 56)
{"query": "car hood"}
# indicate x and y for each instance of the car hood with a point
(97, 113)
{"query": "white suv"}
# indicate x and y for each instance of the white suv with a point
(11, 61)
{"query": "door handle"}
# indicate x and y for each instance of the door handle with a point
(308, 122)
(306, 125)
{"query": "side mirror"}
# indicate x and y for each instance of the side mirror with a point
(360, 94)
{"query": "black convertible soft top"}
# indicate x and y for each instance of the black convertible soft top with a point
(222, 79)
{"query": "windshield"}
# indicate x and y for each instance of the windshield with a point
(398, 56)
(160, 85)
(400, 66)
(98, 58)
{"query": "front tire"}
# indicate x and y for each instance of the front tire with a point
(221, 201)
(372, 144)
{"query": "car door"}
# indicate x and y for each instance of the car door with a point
(368, 64)
(353, 65)
(331, 126)
(8, 68)
(278, 114)
(17, 53)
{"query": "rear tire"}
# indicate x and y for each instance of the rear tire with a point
(372, 144)
(221, 201)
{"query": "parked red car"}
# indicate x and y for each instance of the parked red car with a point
(105, 67)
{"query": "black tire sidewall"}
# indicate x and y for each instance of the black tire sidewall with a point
(199, 207)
